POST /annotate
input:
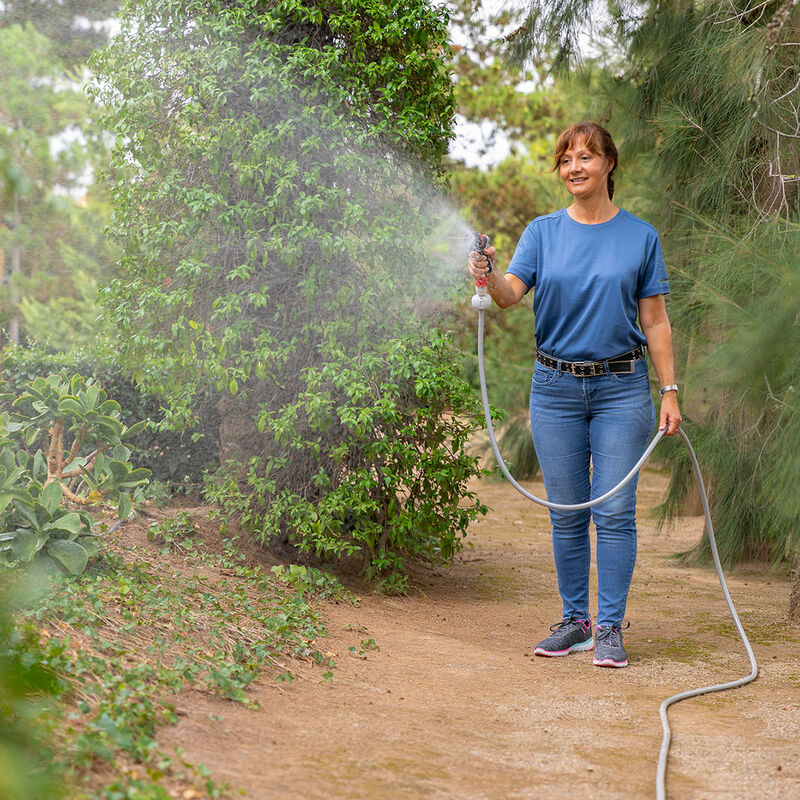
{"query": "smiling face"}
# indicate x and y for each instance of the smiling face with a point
(584, 172)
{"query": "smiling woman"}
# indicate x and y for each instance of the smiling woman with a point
(596, 268)
(586, 159)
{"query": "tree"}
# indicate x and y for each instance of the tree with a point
(269, 194)
(75, 28)
(42, 119)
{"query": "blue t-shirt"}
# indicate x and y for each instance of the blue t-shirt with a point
(588, 280)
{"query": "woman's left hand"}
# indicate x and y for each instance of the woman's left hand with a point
(670, 421)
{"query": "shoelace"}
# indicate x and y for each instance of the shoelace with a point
(612, 634)
(564, 622)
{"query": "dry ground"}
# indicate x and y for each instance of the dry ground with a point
(453, 707)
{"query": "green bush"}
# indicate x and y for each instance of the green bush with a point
(388, 438)
(273, 230)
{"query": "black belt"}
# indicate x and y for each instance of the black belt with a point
(588, 369)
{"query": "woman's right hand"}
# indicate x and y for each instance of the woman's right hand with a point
(479, 263)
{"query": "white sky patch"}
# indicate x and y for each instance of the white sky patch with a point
(480, 145)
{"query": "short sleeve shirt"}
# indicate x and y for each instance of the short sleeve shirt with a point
(588, 280)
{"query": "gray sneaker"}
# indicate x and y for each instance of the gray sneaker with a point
(609, 648)
(568, 636)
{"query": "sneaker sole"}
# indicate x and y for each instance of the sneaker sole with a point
(576, 648)
(609, 662)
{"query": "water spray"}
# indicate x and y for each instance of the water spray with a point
(480, 302)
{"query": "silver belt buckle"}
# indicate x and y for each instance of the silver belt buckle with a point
(629, 371)
(585, 365)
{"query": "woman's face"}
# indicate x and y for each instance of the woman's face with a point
(584, 173)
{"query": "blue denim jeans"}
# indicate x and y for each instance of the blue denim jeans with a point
(606, 422)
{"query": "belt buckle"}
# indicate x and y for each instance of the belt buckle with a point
(589, 366)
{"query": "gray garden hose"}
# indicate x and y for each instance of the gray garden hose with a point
(480, 303)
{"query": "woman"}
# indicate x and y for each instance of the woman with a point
(595, 269)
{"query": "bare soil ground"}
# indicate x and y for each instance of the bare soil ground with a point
(454, 706)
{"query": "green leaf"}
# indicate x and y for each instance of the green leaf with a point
(119, 470)
(121, 453)
(89, 544)
(7, 459)
(5, 499)
(27, 510)
(69, 523)
(136, 477)
(71, 555)
(25, 545)
(51, 496)
(41, 571)
(70, 405)
(39, 466)
(124, 507)
(135, 428)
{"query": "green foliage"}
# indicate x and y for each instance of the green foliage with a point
(46, 140)
(27, 689)
(111, 648)
(64, 445)
(64, 23)
(312, 582)
(392, 483)
(264, 210)
(264, 217)
(747, 432)
(177, 459)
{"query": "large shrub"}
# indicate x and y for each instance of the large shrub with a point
(268, 200)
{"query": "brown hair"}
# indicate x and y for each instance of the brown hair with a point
(596, 138)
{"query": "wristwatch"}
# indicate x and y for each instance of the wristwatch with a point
(673, 387)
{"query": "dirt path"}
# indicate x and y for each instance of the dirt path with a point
(453, 706)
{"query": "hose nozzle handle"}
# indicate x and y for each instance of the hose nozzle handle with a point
(479, 243)
(481, 301)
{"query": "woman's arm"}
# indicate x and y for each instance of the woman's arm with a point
(506, 289)
(658, 332)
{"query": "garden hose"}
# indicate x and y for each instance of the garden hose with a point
(481, 301)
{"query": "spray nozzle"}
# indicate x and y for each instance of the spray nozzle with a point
(481, 300)
(479, 243)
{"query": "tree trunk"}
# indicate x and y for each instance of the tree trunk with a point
(794, 599)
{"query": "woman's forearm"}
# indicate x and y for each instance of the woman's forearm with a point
(659, 344)
(505, 290)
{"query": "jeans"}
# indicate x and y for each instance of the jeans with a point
(606, 420)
